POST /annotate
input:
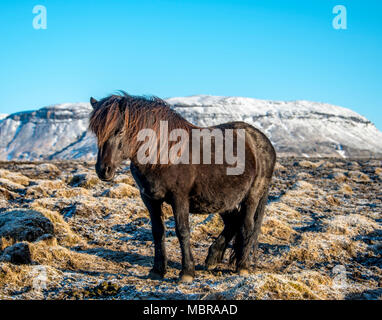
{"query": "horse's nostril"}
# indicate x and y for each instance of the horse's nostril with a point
(108, 170)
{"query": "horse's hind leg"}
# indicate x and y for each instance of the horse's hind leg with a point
(218, 247)
(248, 233)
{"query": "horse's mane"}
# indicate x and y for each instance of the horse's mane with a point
(132, 114)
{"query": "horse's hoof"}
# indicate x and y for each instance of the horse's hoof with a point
(154, 275)
(243, 273)
(186, 278)
(211, 262)
(210, 267)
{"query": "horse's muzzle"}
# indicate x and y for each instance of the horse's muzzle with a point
(107, 179)
(105, 174)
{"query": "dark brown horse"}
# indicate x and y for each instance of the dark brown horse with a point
(188, 187)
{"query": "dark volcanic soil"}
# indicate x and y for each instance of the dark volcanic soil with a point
(322, 236)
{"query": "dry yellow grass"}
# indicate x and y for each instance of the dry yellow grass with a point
(279, 167)
(50, 253)
(310, 164)
(122, 190)
(203, 227)
(340, 176)
(323, 214)
(124, 178)
(44, 188)
(4, 243)
(278, 287)
(7, 195)
(346, 189)
(274, 228)
(84, 180)
(331, 200)
(14, 177)
(72, 192)
(358, 176)
(13, 277)
(323, 248)
(282, 211)
(10, 185)
(62, 230)
(352, 224)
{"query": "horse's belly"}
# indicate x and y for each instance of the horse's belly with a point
(206, 205)
(219, 193)
(206, 208)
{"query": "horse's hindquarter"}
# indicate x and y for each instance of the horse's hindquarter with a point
(261, 147)
(215, 191)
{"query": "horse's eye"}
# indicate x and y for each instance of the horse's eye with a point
(120, 145)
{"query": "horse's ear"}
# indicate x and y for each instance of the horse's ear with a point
(93, 102)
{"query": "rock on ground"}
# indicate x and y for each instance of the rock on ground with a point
(24, 225)
(19, 253)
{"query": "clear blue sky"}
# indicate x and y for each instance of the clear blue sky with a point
(266, 49)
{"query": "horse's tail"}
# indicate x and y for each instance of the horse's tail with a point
(237, 242)
(265, 156)
(232, 257)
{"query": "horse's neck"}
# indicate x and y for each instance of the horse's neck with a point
(142, 168)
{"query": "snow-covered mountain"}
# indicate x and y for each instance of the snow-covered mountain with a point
(55, 132)
(298, 128)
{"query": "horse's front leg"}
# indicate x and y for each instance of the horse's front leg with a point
(159, 233)
(180, 207)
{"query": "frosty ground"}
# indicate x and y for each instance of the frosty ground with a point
(321, 237)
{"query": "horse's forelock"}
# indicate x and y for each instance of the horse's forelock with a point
(105, 119)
